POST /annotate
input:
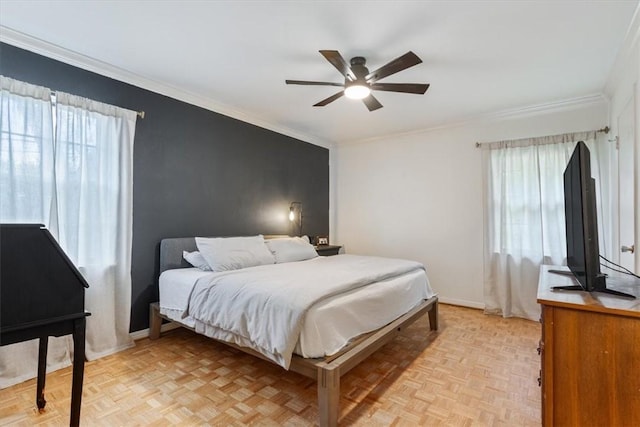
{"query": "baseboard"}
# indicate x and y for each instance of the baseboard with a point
(460, 302)
(144, 333)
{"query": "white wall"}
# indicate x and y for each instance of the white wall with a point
(623, 86)
(419, 196)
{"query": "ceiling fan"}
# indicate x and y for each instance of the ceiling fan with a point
(359, 82)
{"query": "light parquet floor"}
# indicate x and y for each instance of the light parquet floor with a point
(477, 370)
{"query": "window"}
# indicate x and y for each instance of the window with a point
(524, 216)
(66, 162)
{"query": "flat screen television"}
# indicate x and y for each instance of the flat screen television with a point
(583, 252)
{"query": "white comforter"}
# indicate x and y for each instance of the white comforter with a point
(263, 307)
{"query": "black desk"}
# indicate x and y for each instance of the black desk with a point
(72, 324)
(42, 295)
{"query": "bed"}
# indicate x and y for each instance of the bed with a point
(307, 342)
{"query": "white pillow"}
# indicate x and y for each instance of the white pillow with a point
(234, 253)
(289, 249)
(196, 259)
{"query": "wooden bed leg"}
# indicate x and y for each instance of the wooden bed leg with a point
(155, 321)
(328, 395)
(433, 317)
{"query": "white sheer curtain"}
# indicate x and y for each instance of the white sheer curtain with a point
(77, 180)
(27, 187)
(94, 170)
(524, 215)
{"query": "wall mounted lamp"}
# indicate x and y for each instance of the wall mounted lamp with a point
(295, 215)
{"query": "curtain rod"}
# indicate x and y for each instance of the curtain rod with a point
(604, 129)
(140, 114)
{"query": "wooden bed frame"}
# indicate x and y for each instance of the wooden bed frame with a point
(326, 371)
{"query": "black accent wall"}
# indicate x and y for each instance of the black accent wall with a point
(196, 172)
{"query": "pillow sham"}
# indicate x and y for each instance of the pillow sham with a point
(234, 253)
(290, 249)
(196, 259)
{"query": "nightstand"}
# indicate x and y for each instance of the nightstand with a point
(327, 250)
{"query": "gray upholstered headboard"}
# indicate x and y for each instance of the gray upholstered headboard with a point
(171, 252)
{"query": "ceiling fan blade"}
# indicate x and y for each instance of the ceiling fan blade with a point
(338, 61)
(416, 88)
(371, 103)
(304, 82)
(329, 99)
(407, 60)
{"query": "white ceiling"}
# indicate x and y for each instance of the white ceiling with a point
(480, 57)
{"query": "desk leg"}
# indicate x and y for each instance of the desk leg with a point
(78, 369)
(42, 372)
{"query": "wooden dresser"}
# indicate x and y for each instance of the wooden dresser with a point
(590, 352)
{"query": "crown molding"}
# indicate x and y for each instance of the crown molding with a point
(520, 112)
(58, 53)
(44, 48)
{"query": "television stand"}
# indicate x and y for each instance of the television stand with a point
(603, 290)
(600, 285)
(563, 272)
(568, 288)
(614, 292)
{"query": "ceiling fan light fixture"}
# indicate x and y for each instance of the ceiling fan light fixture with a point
(359, 82)
(357, 91)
